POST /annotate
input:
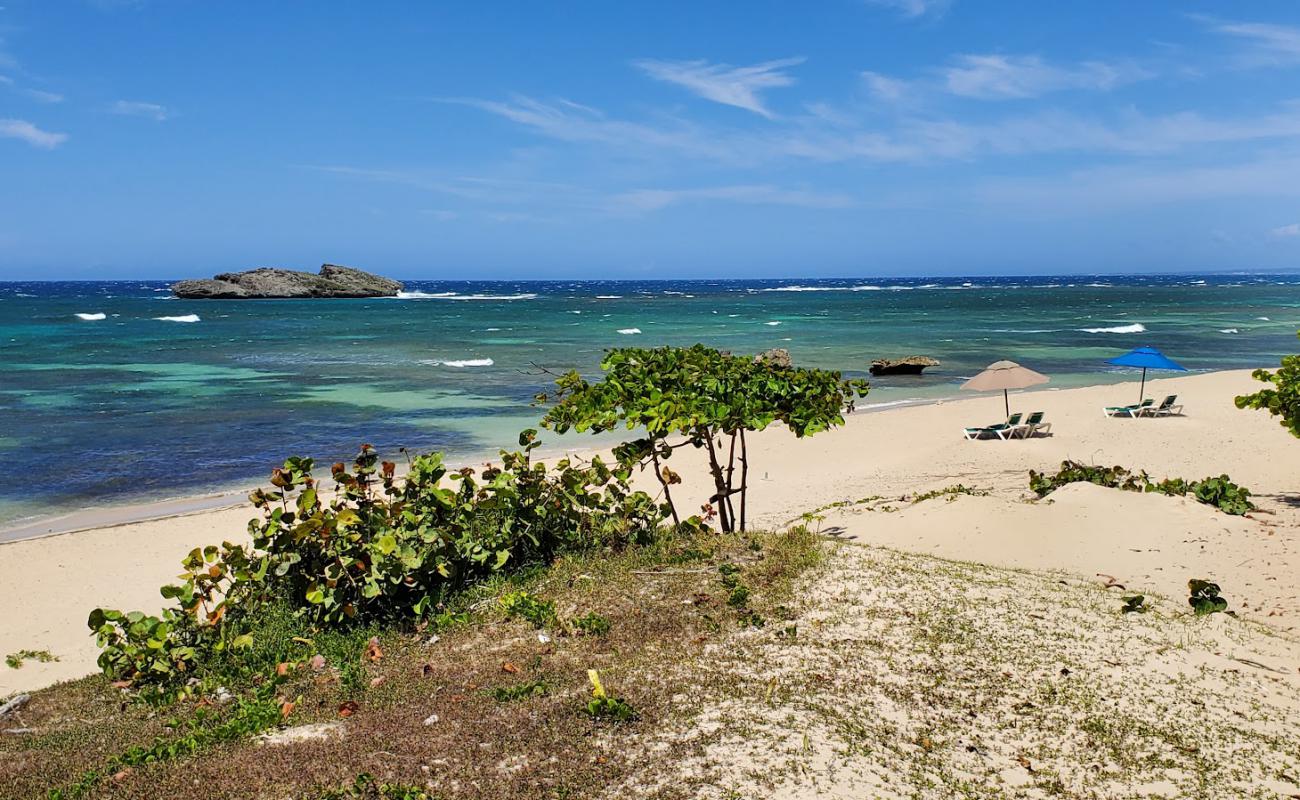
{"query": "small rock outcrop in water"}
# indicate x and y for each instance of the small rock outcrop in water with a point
(912, 365)
(271, 282)
(777, 357)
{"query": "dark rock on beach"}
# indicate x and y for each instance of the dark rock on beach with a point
(912, 365)
(271, 282)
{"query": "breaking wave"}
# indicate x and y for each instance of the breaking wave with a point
(185, 318)
(1136, 327)
(91, 317)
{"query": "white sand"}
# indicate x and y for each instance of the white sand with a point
(47, 586)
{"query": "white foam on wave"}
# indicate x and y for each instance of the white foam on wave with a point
(774, 323)
(798, 288)
(91, 317)
(1136, 327)
(629, 331)
(185, 318)
(1229, 330)
(459, 364)
(1024, 330)
(458, 296)
(1262, 319)
(609, 297)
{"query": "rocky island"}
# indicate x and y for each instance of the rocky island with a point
(912, 365)
(271, 282)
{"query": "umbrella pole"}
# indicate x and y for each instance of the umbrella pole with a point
(1006, 399)
(1142, 390)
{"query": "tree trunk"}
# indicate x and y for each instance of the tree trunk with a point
(731, 471)
(719, 483)
(668, 495)
(744, 477)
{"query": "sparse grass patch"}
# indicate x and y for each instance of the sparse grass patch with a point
(431, 714)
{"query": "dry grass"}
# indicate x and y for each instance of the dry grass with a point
(665, 604)
(915, 677)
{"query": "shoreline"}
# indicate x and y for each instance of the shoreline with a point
(112, 515)
(858, 484)
(117, 514)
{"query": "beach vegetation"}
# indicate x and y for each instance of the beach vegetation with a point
(1135, 604)
(1220, 492)
(1204, 597)
(16, 660)
(378, 551)
(366, 787)
(1282, 398)
(710, 399)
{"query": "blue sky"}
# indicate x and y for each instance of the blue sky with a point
(171, 138)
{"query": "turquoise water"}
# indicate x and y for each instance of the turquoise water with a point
(141, 404)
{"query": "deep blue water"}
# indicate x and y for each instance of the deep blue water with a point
(134, 406)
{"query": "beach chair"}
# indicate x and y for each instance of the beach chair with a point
(1002, 430)
(1167, 408)
(1033, 426)
(1128, 411)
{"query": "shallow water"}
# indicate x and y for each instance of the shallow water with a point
(163, 397)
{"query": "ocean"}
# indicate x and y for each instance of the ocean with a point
(115, 392)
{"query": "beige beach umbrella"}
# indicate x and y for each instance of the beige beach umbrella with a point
(1004, 375)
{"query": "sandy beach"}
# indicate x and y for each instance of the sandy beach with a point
(1147, 542)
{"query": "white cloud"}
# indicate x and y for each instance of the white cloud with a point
(1287, 230)
(1268, 43)
(883, 87)
(27, 132)
(43, 97)
(722, 83)
(915, 8)
(135, 108)
(655, 199)
(997, 77)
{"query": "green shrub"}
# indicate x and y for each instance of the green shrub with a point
(1282, 398)
(1219, 492)
(380, 551)
(708, 397)
(1135, 604)
(1205, 597)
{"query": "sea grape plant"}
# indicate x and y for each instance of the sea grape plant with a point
(1282, 399)
(1219, 492)
(709, 398)
(377, 549)
(1204, 597)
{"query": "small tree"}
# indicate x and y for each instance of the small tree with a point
(1283, 400)
(710, 398)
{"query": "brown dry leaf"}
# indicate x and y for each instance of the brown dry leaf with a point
(377, 681)
(373, 653)
(121, 684)
(511, 668)
(348, 708)
(426, 670)
(1024, 762)
(282, 668)
(925, 743)
(286, 708)
(118, 777)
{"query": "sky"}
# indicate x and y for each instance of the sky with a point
(763, 138)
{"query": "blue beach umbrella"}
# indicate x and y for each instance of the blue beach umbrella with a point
(1146, 357)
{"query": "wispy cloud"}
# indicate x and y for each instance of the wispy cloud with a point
(915, 8)
(761, 194)
(1267, 43)
(741, 87)
(25, 131)
(43, 97)
(1000, 77)
(135, 108)
(885, 88)
(1287, 230)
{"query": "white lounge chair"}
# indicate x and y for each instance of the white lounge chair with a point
(1128, 411)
